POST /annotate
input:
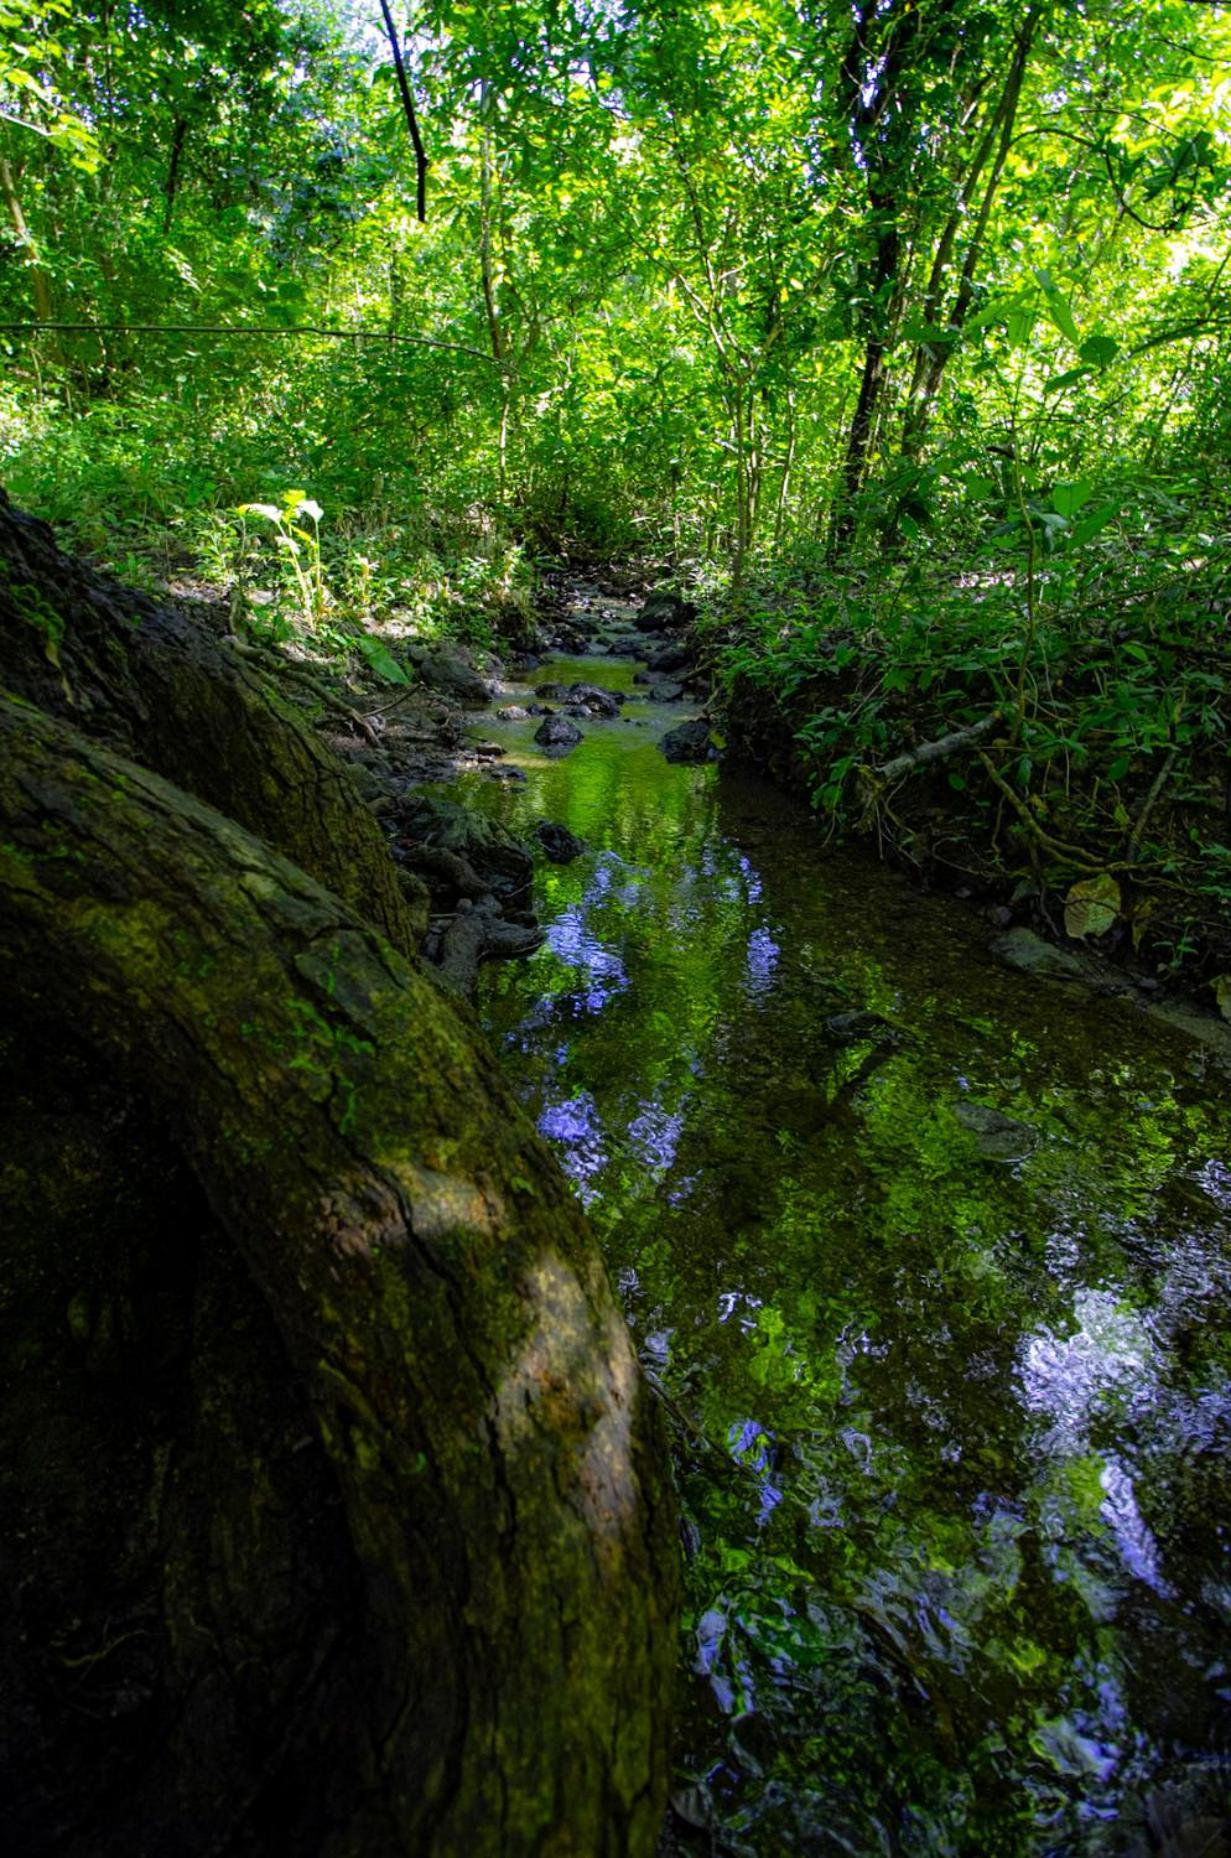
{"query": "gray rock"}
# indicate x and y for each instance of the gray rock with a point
(999, 1137)
(663, 611)
(690, 742)
(1022, 949)
(1190, 1018)
(671, 658)
(558, 733)
(463, 849)
(588, 697)
(512, 713)
(666, 692)
(447, 669)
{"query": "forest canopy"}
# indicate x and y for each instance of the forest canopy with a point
(898, 332)
(713, 276)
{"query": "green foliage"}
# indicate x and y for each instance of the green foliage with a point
(914, 333)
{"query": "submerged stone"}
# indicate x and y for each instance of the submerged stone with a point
(1000, 1138)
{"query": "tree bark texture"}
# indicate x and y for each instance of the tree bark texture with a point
(413, 1578)
(179, 698)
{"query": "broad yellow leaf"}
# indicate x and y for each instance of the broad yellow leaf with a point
(1091, 906)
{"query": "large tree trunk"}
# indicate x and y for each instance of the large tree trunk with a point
(141, 675)
(336, 1519)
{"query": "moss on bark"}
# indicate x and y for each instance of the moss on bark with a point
(405, 1577)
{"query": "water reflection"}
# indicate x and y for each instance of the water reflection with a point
(955, 1460)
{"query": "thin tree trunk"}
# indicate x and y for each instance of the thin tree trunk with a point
(39, 280)
(179, 136)
(871, 385)
(932, 360)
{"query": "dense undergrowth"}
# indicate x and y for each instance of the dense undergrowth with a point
(284, 516)
(1086, 683)
(901, 334)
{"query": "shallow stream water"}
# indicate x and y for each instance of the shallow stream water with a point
(940, 1307)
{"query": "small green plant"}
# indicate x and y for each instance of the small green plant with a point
(301, 549)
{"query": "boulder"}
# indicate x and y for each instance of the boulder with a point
(999, 1137)
(666, 692)
(671, 658)
(560, 845)
(447, 669)
(1022, 949)
(558, 733)
(589, 698)
(690, 742)
(664, 611)
(468, 852)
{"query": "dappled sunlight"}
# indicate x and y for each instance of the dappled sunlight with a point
(570, 1396)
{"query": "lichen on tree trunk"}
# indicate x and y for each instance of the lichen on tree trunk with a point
(494, 1677)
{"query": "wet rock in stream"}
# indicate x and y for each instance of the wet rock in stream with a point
(999, 1137)
(663, 611)
(558, 734)
(692, 741)
(589, 699)
(447, 668)
(1022, 949)
(670, 658)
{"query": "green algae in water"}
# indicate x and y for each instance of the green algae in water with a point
(953, 1406)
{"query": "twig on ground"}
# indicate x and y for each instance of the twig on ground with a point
(926, 752)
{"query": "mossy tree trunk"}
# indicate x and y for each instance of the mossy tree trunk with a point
(143, 676)
(483, 1665)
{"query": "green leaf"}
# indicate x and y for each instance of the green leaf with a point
(1067, 499)
(381, 659)
(1059, 382)
(1058, 309)
(1098, 519)
(1100, 350)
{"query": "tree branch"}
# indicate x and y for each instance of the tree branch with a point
(939, 750)
(412, 120)
(334, 335)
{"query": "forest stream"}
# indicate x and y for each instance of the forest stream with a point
(929, 1263)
